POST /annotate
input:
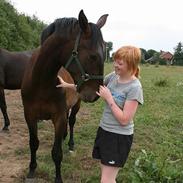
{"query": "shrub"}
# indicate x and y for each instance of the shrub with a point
(147, 169)
(161, 82)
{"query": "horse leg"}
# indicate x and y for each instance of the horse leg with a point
(65, 132)
(72, 120)
(34, 144)
(57, 154)
(4, 109)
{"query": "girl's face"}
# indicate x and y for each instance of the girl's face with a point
(121, 68)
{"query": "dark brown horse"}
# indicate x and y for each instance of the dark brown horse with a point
(12, 67)
(77, 45)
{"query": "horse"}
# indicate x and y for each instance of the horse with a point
(77, 45)
(12, 67)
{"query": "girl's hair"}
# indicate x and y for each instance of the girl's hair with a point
(132, 56)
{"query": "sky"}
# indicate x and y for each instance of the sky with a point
(148, 24)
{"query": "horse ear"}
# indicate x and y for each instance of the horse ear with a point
(47, 32)
(83, 22)
(102, 21)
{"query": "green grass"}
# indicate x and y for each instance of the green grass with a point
(157, 152)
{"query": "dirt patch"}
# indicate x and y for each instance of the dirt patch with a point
(12, 166)
(14, 145)
(14, 148)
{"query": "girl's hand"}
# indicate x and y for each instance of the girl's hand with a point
(62, 83)
(105, 93)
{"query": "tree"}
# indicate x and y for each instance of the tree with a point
(178, 54)
(18, 31)
(144, 55)
(151, 53)
(109, 48)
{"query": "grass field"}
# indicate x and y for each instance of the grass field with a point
(157, 152)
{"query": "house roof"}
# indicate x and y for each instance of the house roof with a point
(166, 55)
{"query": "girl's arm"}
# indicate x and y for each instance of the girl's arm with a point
(123, 116)
(65, 84)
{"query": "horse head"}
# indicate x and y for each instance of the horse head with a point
(81, 49)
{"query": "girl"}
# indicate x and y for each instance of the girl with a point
(122, 92)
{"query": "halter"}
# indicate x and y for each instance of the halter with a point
(74, 57)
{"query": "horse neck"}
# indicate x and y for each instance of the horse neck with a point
(47, 64)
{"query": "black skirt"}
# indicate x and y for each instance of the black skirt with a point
(111, 148)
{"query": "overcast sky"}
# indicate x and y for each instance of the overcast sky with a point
(149, 24)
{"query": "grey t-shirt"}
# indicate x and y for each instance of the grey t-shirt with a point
(120, 92)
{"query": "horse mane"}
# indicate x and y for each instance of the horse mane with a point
(47, 32)
(59, 25)
(69, 26)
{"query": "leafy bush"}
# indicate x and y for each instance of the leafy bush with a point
(161, 82)
(148, 169)
(18, 31)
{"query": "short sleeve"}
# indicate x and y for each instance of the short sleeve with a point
(108, 78)
(136, 93)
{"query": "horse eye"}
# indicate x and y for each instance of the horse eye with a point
(93, 57)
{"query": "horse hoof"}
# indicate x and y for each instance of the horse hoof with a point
(71, 148)
(31, 175)
(58, 181)
(5, 128)
(71, 151)
(30, 180)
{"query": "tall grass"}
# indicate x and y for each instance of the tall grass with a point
(157, 152)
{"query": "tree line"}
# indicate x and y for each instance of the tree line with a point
(152, 56)
(21, 32)
(18, 31)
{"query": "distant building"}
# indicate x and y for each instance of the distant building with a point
(151, 60)
(167, 56)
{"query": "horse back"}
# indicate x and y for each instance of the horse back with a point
(12, 67)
